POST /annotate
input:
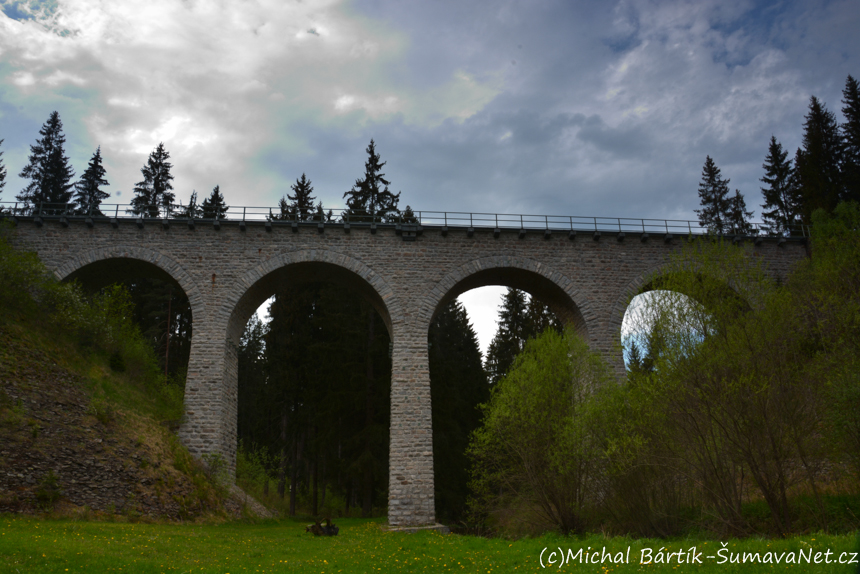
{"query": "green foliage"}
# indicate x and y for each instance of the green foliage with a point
(153, 194)
(302, 202)
(714, 198)
(751, 379)
(369, 199)
(850, 132)
(818, 163)
(102, 410)
(100, 324)
(214, 207)
(48, 168)
(32, 545)
(89, 194)
(520, 319)
(49, 491)
(2, 171)
(781, 200)
(325, 421)
(536, 450)
(458, 385)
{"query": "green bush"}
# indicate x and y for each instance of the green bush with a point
(49, 491)
(536, 457)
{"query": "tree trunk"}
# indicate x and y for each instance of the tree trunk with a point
(367, 478)
(322, 472)
(294, 475)
(282, 477)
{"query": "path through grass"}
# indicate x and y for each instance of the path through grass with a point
(29, 545)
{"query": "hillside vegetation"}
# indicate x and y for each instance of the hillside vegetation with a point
(86, 418)
(739, 418)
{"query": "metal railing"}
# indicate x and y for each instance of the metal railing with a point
(442, 219)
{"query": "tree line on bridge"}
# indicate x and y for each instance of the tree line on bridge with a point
(824, 172)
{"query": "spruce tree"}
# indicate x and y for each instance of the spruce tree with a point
(369, 199)
(285, 212)
(153, 194)
(538, 318)
(781, 201)
(213, 206)
(193, 209)
(88, 194)
(458, 384)
(48, 169)
(510, 337)
(302, 203)
(737, 216)
(818, 174)
(713, 196)
(851, 140)
(2, 171)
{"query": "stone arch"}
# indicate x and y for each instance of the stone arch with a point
(648, 281)
(552, 287)
(218, 433)
(169, 266)
(297, 267)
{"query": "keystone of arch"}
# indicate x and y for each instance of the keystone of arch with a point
(163, 262)
(246, 282)
(441, 293)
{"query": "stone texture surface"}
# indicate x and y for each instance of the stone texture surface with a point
(228, 273)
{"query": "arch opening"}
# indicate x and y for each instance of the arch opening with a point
(536, 285)
(462, 372)
(675, 310)
(162, 309)
(313, 387)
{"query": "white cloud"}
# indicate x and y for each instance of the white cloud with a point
(218, 82)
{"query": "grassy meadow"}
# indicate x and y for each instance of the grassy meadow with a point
(47, 546)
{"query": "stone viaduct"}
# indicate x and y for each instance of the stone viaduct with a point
(229, 268)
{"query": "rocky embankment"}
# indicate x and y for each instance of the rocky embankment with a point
(61, 450)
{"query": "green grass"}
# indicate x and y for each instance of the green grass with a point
(33, 545)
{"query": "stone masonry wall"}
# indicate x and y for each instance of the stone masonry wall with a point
(227, 273)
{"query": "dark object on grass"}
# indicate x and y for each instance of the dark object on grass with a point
(318, 530)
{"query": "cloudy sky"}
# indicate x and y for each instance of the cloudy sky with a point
(601, 108)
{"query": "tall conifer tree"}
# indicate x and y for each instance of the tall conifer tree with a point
(819, 172)
(737, 217)
(458, 384)
(781, 201)
(851, 139)
(153, 194)
(369, 199)
(714, 198)
(2, 171)
(88, 194)
(302, 203)
(510, 336)
(193, 209)
(214, 206)
(48, 169)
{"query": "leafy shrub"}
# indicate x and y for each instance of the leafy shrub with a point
(535, 456)
(49, 491)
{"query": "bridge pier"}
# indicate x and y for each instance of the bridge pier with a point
(411, 498)
(211, 396)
